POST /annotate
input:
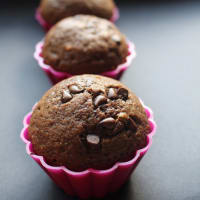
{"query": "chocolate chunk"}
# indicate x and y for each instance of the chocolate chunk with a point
(66, 96)
(108, 123)
(122, 122)
(93, 143)
(116, 39)
(75, 89)
(123, 93)
(112, 93)
(119, 127)
(132, 125)
(122, 116)
(99, 100)
(93, 139)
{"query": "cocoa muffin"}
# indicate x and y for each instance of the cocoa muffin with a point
(88, 121)
(55, 10)
(84, 44)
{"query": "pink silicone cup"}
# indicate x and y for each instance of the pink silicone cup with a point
(56, 76)
(47, 26)
(90, 183)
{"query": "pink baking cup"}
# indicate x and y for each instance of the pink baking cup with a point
(90, 183)
(56, 76)
(47, 26)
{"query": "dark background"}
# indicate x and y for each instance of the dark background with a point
(165, 74)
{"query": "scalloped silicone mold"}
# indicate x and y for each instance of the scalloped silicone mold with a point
(90, 183)
(56, 76)
(47, 26)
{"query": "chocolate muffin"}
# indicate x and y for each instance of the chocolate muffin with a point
(55, 10)
(88, 121)
(84, 44)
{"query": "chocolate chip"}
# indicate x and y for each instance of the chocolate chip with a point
(93, 143)
(112, 93)
(93, 139)
(75, 89)
(119, 127)
(108, 123)
(99, 100)
(66, 96)
(123, 93)
(122, 122)
(133, 125)
(116, 39)
(122, 116)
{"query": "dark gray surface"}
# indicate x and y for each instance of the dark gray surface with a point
(165, 75)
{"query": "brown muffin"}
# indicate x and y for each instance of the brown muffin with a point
(84, 44)
(88, 121)
(55, 10)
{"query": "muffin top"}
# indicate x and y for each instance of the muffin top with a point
(88, 121)
(84, 44)
(55, 10)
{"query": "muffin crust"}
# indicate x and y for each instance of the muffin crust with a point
(84, 44)
(55, 10)
(88, 121)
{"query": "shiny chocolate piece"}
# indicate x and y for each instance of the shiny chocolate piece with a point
(123, 93)
(93, 139)
(112, 93)
(75, 89)
(108, 123)
(99, 100)
(66, 96)
(119, 127)
(123, 116)
(116, 39)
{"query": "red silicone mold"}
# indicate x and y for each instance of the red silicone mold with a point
(56, 76)
(90, 183)
(47, 26)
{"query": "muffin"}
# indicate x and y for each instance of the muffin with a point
(84, 44)
(53, 11)
(88, 121)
